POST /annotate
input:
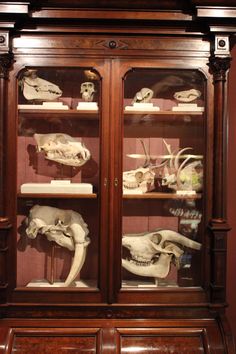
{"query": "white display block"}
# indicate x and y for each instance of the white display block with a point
(142, 107)
(44, 105)
(57, 187)
(186, 192)
(57, 284)
(88, 106)
(188, 107)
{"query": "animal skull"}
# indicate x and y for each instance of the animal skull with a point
(187, 96)
(152, 252)
(139, 180)
(185, 176)
(62, 148)
(87, 90)
(36, 89)
(65, 227)
(143, 96)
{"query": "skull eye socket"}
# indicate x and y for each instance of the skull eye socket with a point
(139, 176)
(156, 238)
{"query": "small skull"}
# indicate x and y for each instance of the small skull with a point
(143, 96)
(87, 90)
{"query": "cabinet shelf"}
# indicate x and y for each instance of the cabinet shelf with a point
(164, 113)
(50, 113)
(161, 196)
(57, 196)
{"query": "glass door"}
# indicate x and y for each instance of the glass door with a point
(58, 178)
(163, 178)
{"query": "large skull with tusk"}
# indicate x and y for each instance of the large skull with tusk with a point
(140, 180)
(87, 90)
(65, 227)
(62, 148)
(153, 252)
(36, 89)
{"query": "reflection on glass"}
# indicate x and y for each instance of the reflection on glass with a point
(58, 177)
(163, 177)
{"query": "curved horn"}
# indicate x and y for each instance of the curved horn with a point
(176, 162)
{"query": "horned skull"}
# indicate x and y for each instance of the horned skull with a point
(87, 90)
(62, 148)
(153, 252)
(65, 227)
(36, 89)
(140, 180)
(185, 176)
(143, 96)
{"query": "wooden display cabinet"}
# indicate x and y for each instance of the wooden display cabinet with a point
(112, 208)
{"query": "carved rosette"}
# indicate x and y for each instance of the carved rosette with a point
(6, 61)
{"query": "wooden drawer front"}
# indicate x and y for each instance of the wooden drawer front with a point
(174, 341)
(56, 341)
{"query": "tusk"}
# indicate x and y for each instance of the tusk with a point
(77, 263)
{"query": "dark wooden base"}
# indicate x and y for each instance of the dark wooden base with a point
(115, 336)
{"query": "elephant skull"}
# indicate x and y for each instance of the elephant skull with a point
(152, 252)
(65, 227)
(62, 148)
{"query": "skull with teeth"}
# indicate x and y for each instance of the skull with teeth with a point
(36, 89)
(153, 252)
(87, 90)
(65, 227)
(140, 180)
(62, 148)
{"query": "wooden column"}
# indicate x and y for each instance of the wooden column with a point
(219, 65)
(5, 64)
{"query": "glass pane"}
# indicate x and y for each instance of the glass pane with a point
(163, 184)
(58, 162)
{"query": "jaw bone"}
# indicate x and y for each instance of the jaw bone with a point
(65, 227)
